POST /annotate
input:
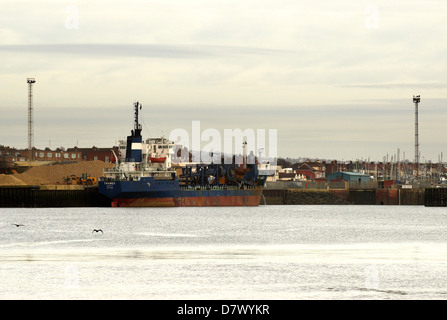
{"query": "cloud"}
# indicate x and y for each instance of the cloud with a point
(420, 85)
(311, 69)
(140, 50)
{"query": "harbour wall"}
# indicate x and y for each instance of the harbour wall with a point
(345, 196)
(51, 196)
(83, 196)
(436, 197)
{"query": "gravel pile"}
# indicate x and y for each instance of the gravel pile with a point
(10, 180)
(55, 173)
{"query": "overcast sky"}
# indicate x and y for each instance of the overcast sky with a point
(335, 78)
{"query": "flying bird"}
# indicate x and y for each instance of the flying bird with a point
(18, 225)
(97, 230)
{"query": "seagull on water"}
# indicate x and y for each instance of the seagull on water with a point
(18, 225)
(97, 230)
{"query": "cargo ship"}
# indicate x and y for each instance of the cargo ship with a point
(144, 176)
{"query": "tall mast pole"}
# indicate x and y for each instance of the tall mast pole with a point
(30, 82)
(416, 100)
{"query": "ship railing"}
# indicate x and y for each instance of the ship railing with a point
(119, 179)
(162, 174)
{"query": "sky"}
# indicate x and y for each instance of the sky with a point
(334, 78)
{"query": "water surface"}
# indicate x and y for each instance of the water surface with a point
(266, 252)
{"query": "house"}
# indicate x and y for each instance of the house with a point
(286, 176)
(95, 153)
(22, 155)
(310, 171)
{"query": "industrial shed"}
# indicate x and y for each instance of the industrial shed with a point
(348, 176)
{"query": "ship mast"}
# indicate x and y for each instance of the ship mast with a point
(137, 126)
(134, 146)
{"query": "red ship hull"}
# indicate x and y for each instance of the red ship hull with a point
(217, 201)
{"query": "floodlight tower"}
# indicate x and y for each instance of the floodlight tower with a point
(30, 82)
(416, 100)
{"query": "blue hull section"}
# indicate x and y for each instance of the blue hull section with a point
(149, 192)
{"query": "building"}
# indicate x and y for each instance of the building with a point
(8, 154)
(277, 173)
(311, 170)
(95, 153)
(348, 176)
(59, 155)
(307, 171)
(13, 155)
(331, 167)
(286, 176)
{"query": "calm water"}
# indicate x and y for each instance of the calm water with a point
(267, 252)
